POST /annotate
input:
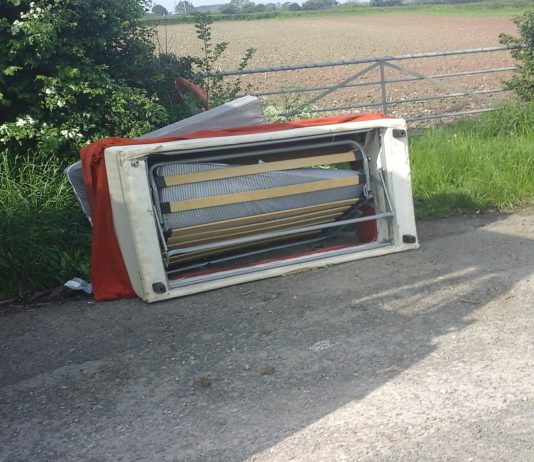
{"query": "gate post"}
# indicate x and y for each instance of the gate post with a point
(383, 88)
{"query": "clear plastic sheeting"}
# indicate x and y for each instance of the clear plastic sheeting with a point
(246, 110)
(240, 112)
(79, 284)
(75, 175)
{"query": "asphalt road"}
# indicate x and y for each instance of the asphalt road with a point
(423, 355)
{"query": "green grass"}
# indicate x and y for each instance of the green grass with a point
(490, 8)
(44, 236)
(479, 164)
(475, 165)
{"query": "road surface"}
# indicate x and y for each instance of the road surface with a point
(423, 355)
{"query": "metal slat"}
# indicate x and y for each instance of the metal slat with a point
(432, 54)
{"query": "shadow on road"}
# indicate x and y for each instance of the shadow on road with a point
(228, 374)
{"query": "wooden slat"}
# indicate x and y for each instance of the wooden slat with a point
(266, 228)
(299, 211)
(269, 193)
(231, 172)
(198, 255)
(288, 221)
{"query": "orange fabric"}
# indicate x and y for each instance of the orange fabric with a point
(199, 93)
(108, 272)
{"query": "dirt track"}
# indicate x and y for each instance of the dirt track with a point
(297, 41)
(423, 355)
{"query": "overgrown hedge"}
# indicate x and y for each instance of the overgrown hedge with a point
(71, 71)
(77, 70)
(523, 81)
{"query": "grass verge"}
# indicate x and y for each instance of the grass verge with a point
(44, 236)
(475, 165)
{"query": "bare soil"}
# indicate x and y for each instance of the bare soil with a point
(297, 41)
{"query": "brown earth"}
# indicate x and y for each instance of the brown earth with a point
(297, 41)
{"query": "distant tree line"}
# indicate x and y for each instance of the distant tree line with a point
(236, 7)
(246, 6)
(185, 7)
(385, 2)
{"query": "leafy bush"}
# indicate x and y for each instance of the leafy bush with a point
(71, 71)
(76, 70)
(319, 4)
(219, 90)
(523, 81)
(381, 3)
(290, 106)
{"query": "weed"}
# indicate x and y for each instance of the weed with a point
(289, 106)
(44, 236)
(218, 89)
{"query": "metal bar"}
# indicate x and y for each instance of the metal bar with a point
(448, 95)
(276, 264)
(397, 102)
(450, 114)
(436, 81)
(260, 70)
(245, 254)
(386, 192)
(284, 91)
(339, 108)
(383, 92)
(267, 152)
(334, 88)
(275, 234)
(255, 144)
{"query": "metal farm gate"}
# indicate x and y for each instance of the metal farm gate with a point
(384, 84)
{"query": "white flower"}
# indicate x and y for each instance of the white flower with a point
(50, 91)
(60, 103)
(30, 120)
(20, 122)
(15, 28)
(70, 134)
(2, 140)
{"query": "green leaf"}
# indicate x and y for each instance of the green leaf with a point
(11, 70)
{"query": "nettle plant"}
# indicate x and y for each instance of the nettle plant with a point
(72, 71)
(218, 89)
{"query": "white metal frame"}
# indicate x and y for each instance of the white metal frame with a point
(134, 215)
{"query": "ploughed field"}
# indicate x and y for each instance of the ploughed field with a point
(302, 40)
